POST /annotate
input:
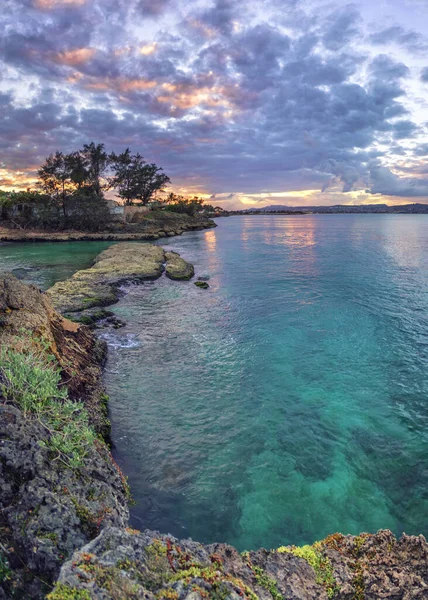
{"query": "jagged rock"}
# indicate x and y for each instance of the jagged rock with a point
(155, 565)
(79, 353)
(177, 268)
(152, 565)
(47, 510)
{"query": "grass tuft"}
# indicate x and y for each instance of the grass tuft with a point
(32, 381)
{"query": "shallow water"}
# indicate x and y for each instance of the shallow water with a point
(289, 400)
(45, 263)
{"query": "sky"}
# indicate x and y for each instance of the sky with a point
(248, 103)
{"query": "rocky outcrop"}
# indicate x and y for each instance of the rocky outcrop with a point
(46, 509)
(63, 527)
(119, 264)
(49, 508)
(177, 268)
(150, 226)
(79, 353)
(128, 564)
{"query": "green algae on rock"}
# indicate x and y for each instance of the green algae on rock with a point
(99, 285)
(177, 268)
(129, 564)
(203, 285)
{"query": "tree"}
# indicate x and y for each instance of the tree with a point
(96, 162)
(78, 169)
(136, 180)
(181, 204)
(55, 179)
(152, 180)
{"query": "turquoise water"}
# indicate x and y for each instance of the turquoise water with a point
(45, 263)
(290, 399)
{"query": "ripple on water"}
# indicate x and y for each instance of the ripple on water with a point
(288, 401)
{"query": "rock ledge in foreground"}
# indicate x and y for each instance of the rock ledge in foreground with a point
(122, 263)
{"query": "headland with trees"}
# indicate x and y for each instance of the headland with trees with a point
(75, 191)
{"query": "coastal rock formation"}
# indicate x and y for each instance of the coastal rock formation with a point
(151, 226)
(46, 509)
(177, 268)
(119, 264)
(129, 564)
(63, 520)
(79, 354)
(49, 505)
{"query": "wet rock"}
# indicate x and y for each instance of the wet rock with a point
(99, 285)
(203, 285)
(177, 268)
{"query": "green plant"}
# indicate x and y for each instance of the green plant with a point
(320, 564)
(32, 381)
(64, 592)
(266, 582)
(5, 571)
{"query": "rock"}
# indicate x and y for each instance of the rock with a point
(99, 285)
(48, 508)
(79, 353)
(371, 567)
(177, 268)
(149, 226)
(203, 285)
(204, 278)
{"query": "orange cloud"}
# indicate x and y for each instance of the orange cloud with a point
(74, 57)
(50, 4)
(118, 84)
(188, 97)
(148, 49)
(16, 180)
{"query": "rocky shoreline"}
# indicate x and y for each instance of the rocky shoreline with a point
(152, 227)
(63, 508)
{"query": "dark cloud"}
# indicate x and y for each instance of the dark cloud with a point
(343, 26)
(397, 34)
(424, 75)
(153, 8)
(221, 96)
(221, 15)
(384, 182)
(384, 68)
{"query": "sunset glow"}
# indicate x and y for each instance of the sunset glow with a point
(298, 103)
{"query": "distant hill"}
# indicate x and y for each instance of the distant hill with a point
(342, 208)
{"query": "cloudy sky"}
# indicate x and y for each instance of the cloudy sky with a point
(294, 102)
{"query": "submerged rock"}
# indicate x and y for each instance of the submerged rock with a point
(203, 285)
